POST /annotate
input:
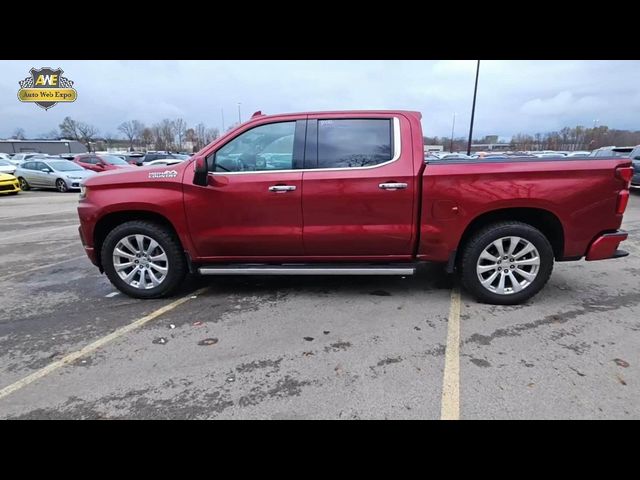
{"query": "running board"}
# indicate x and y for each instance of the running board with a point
(306, 270)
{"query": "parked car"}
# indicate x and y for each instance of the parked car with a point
(578, 154)
(8, 184)
(164, 161)
(100, 163)
(150, 157)
(635, 159)
(343, 193)
(612, 151)
(43, 172)
(18, 158)
(134, 158)
(550, 155)
(5, 156)
(6, 166)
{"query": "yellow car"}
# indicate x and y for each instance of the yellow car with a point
(9, 184)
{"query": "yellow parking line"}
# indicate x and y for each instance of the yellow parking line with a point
(450, 406)
(67, 359)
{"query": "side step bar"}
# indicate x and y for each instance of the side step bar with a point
(306, 270)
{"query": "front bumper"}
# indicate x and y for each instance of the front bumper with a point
(606, 246)
(90, 251)
(9, 186)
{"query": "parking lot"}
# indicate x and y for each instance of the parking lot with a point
(305, 347)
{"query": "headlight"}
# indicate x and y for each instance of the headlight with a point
(73, 178)
(83, 191)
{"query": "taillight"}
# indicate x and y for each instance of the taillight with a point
(623, 199)
(625, 174)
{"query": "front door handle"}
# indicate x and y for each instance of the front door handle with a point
(282, 188)
(393, 186)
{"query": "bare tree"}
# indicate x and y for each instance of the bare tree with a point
(147, 137)
(132, 129)
(19, 134)
(167, 131)
(179, 127)
(211, 134)
(87, 133)
(69, 129)
(158, 139)
(201, 132)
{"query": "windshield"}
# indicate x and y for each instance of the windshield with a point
(113, 160)
(64, 166)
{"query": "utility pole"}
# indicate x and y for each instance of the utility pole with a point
(239, 116)
(222, 113)
(473, 109)
(452, 129)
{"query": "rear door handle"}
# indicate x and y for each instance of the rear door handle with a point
(282, 188)
(393, 186)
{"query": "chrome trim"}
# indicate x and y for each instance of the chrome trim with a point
(305, 271)
(397, 150)
(282, 188)
(393, 186)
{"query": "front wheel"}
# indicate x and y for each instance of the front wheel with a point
(143, 259)
(61, 186)
(506, 263)
(24, 185)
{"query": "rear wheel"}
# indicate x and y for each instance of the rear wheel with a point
(23, 184)
(61, 186)
(506, 263)
(143, 259)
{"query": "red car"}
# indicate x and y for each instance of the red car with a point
(100, 163)
(344, 193)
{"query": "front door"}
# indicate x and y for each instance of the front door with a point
(252, 207)
(358, 187)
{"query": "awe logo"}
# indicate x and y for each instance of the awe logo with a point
(46, 87)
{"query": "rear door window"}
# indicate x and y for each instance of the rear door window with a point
(351, 143)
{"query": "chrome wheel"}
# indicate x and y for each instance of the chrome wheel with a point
(61, 185)
(140, 261)
(508, 265)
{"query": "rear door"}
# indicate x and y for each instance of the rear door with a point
(28, 172)
(358, 186)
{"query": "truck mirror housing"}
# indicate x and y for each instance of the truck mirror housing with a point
(201, 174)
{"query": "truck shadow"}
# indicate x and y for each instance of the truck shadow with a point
(428, 277)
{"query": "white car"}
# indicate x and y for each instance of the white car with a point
(162, 161)
(5, 156)
(18, 158)
(578, 154)
(6, 166)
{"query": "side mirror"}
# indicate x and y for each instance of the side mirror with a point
(201, 175)
(100, 165)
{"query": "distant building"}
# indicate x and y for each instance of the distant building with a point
(490, 147)
(433, 148)
(42, 146)
(491, 139)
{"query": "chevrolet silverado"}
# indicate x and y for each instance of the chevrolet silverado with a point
(350, 193)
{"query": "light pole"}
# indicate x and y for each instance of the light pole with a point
(452, 129)
(222, 115)
(473, 109)
(239, 116)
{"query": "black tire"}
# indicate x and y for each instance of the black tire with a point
(24, 185)
(483, 238)
(177, 265)
(61, 186)
(14, 193)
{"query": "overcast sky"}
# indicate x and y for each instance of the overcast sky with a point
(513, 96)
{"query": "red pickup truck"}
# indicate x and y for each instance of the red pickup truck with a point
(350, 193)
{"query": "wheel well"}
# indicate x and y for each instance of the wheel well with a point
(543, 220)
(112, 220)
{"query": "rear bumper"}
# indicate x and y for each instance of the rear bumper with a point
(606, 246)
